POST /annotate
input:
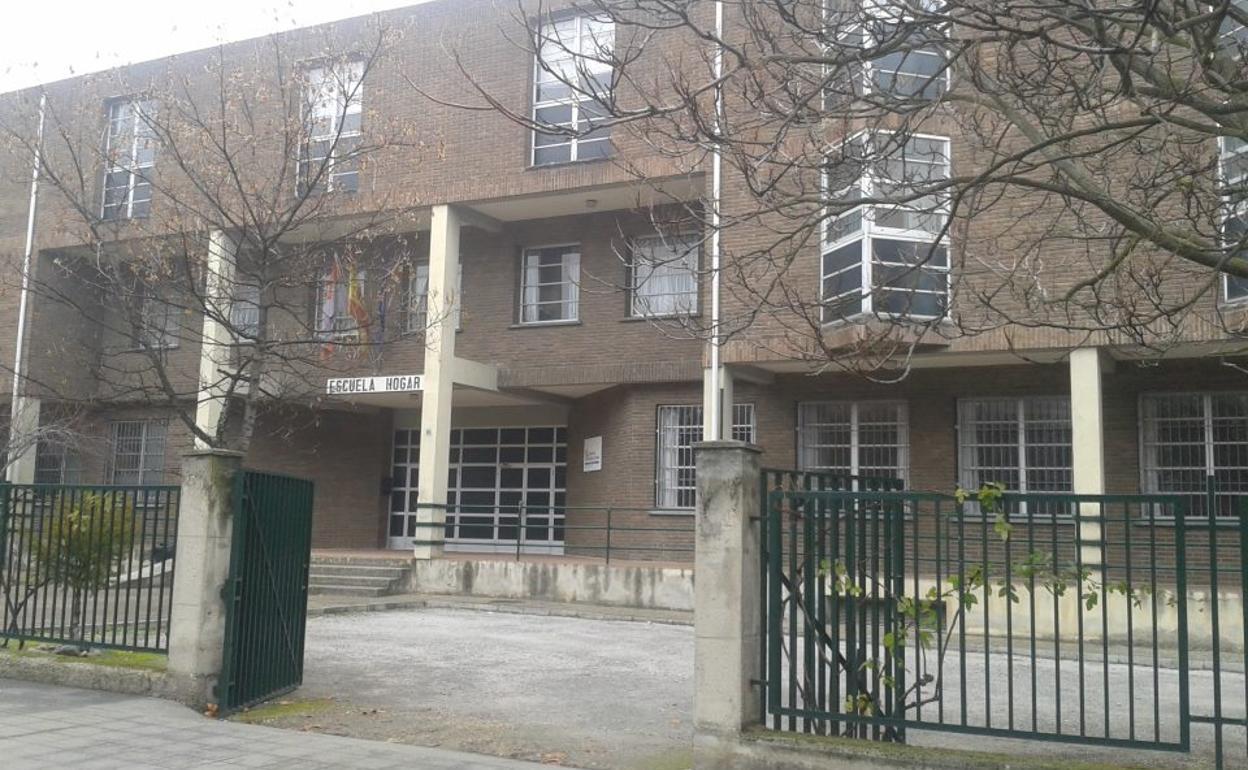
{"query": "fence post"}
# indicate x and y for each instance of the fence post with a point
(727, 616)
(202, 571)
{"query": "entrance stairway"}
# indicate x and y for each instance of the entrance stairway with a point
(358, 576)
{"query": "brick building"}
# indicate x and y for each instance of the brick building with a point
(535, 356)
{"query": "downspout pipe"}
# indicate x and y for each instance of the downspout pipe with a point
(715, 387)
(19, 354)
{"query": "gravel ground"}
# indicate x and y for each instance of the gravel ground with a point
(586, 693)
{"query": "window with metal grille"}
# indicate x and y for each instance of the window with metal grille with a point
(664, 276)
(679, 428)
(1022, 443)
(129, 158)
(854, 438)
(418, 297)
(551, 284)
(887, 260)
(573, 79)
(55, 463)
(333, 111)
(1191, 440)
(916, 65)
(138, 452)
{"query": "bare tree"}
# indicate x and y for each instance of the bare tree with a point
(217, 203)
(904, 172)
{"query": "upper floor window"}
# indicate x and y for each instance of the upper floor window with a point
(1190, 441)
(333, 110)
(679, 428)
(418, 298)
(572, 82)
(245, 308)
(157, 321)
(340, 308)
(1233, 175)
(1024, 444)
(887, 259)
(854, 438)
(663, 276)
(138, 452)
(915, 66)
(129, 158)
(550, 286)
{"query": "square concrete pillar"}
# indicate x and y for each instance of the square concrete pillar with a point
(1087, 366)
(727, 575)
(201, 571)
(23, 439)
(216, 350)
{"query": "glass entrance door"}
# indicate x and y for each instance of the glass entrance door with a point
(503, 484)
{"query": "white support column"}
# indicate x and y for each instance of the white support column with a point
(216, 347)
(722, 426)
(1088, 446)
(435, 409)
(23, 439)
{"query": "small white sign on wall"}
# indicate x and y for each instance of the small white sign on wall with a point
(593, 454)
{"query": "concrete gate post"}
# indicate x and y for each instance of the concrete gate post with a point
(727, 622)
(201, 570)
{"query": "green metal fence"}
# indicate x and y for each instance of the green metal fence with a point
(88, 565)
(1051, 617)
(267, 594)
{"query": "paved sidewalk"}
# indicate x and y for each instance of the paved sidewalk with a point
(44, 726)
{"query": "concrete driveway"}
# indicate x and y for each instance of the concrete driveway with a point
(585, 693)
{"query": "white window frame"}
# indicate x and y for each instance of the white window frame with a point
(530, 293)
(1233, 210)
(805, 448)
(669, 493)
(969, 468)
(129, 158)
(869, 231)
(333, 95)
(418, 298)
(680, 260)
(153, 435)
(1149, 468)
(585, 58)
(886, 12)
(158, 322)
(245, 309)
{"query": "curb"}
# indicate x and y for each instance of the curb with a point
(583, 612)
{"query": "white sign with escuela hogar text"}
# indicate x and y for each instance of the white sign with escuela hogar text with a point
(355, 386)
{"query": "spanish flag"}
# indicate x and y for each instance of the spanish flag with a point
(355, 303)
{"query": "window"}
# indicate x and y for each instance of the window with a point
(1023, 443)
(1189, 440)
(664, 276)
(245, 309)
(138, 452)
(572, 80)
(916, 65)
(551, 290)
(889, 260)
(129, 158)
(418, 297)
(55, 463)
(340, 311)
(158, 322)
(854, 438)
(679, 428)
(333, 110)
(1233, 173)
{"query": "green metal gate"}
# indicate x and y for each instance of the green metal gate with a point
(267, 594)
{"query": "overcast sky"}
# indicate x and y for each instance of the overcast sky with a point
(52, 39)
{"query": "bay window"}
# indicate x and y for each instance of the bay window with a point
(1233, 175)
(572, 82)
(886, 259)
(679, 428)
(915, 63)
(854, 438)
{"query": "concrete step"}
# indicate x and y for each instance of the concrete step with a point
(350, 570)
(351, 580)
(341, 590)
(347, 560)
